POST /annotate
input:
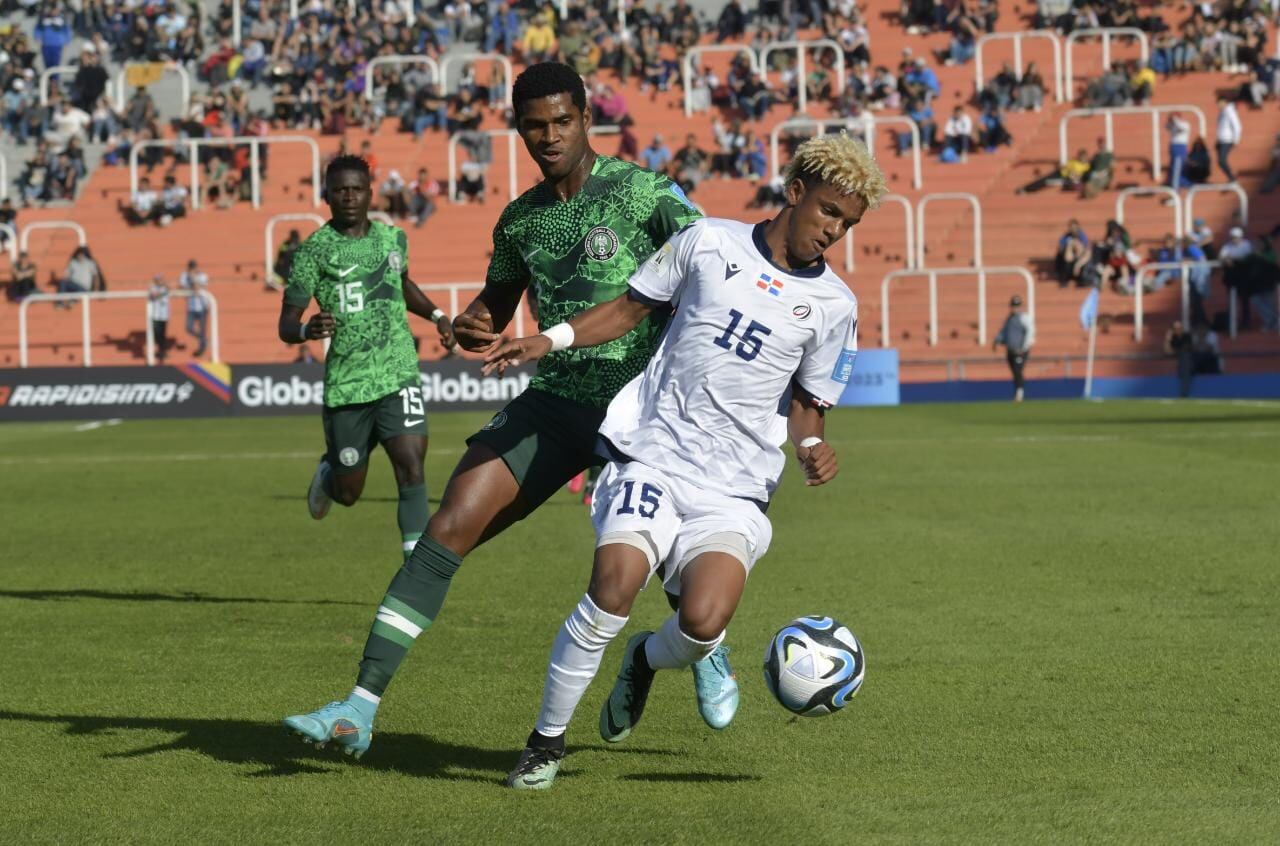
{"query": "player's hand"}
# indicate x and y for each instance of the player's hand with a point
(819, 463)
(513, 351)
(445, 327)
(321, 325)
(474, 330)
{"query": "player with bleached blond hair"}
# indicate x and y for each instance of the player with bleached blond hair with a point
(762, 341)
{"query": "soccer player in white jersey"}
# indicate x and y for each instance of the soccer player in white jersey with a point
(762, 341)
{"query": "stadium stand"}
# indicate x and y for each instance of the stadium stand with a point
(308, 78)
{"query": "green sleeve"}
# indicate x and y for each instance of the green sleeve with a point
(507, 267)
(672, 210)
(402, 244)
(304, 275)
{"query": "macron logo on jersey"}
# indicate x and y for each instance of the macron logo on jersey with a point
(769, 284)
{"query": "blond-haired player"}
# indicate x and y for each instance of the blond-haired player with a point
(762, 341)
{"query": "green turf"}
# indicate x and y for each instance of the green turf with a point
(1069, 612)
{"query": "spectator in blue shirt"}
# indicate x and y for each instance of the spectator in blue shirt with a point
(921, 82)
(1168, 253)
(1197, 278)
(656, 156)
(922, 113)
(1073, 254)
(503, 26)
(53, 31)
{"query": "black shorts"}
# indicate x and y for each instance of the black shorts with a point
(545, 441)
(352, 431)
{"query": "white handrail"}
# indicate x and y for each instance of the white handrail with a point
(1184, 267)
(56, 70)
(25, 238)
(923, 203)
(802, 49)
(933, 274)
(909, 233)
(865, 126)
(1230, 188)
(455, 304)
(479, 57)
(687, 66)
(980, 79)
(1106, 34)
(269, 235)
(10, 243)
(175, 67)
(1108, 114)
(511, 135)
(88, 296)
(255, 177)
(398, 59)
(4, 177)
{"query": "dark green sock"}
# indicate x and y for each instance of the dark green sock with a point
(412, 514)
(412, 602)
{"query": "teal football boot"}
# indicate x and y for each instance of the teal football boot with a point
(717, 688)
(338, 722)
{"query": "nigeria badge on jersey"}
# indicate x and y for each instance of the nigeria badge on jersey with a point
(601, 243)
(395, 261)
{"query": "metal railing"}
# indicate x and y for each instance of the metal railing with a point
(1106, 34)
(980, 79)
(511, 135)
(4, 177)
(25, 238)
(1109, 114)
(56, 70)
(169, 67)
(864, 126)
(86, 319)
(909, 232)
(509, 74)
(923, 203)
(269, 236)
(11, 242)
(1228, 188)
(255, 172)
(933, 273)
(398, 59)
(687, 66)
(802, 49)
(1184, 271)
(1152, 191)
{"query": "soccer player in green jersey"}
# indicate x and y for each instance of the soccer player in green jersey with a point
(575, 238)
(357, 271)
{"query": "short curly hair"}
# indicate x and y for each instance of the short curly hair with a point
(544, 80)
(346, 161)
(839, 161)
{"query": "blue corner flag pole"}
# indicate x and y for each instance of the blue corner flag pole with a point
(1089, 321)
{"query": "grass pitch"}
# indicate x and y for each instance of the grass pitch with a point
(1069, 612)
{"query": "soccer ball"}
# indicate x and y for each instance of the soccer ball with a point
(813, 666)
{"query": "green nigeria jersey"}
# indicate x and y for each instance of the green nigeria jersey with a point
(582, 251)
(358, 281)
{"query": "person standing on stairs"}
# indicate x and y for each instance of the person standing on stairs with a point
(1229, 133)
(1017, 335)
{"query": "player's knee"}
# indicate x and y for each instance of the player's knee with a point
(704, 618)
(409, 474)
(451, 528)
(611, 597)
(348, 493)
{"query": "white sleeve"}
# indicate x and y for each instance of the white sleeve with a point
(662, 276)
(828, 363)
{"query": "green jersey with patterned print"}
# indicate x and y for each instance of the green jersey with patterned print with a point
(358, 281)
(582, 251)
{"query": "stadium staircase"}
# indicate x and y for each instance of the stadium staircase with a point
(453, 245)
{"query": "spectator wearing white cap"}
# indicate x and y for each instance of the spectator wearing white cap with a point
(1234, 254)
(1017, 334)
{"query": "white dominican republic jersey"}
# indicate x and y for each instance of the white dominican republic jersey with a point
(711, 406)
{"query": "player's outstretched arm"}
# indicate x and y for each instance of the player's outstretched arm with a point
(597, 325)
(292, 330)
(480, 323)
(806, 426)
(417, 302)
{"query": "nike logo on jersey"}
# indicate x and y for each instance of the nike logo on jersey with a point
(409, 424)
(730, 270)
(348, 270)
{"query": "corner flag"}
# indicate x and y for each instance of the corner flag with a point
(1089, 309)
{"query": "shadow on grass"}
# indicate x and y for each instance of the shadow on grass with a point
(185, 596)
(293, 497)
(690, 778)
(278, 752)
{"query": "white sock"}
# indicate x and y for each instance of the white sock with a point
(575, 660)
(669, 648)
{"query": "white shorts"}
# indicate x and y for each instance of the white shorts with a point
(677, 518)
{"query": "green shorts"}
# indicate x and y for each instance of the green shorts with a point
(352, 431)
(545, 440)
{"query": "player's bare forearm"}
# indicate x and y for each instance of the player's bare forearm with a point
(806, 422)
(416, 301)
(292, 330)
(597, 325)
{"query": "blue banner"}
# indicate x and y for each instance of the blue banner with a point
(874, 380)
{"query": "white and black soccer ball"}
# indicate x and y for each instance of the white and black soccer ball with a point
(814, 666)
